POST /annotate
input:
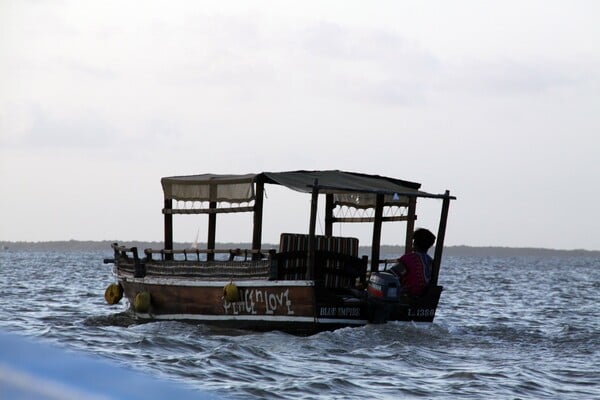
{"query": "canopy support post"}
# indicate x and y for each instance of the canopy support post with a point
(212, 232)
(439, 246)
(377, 232)
(310, 267)
(329, 206)
(410, 224)
(258, 216)
(212, 224)
(168, 228)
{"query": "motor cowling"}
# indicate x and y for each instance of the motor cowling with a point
(383, 286)
(383, 294)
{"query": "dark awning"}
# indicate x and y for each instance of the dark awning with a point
(349, 188)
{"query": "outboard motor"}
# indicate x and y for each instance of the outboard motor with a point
(383, 294)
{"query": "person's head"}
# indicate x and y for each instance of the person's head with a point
(423, 239)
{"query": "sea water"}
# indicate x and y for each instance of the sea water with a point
(510, 327)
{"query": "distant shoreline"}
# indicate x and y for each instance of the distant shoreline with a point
(100, 245)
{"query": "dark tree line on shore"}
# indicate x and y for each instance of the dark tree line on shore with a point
(104, 245)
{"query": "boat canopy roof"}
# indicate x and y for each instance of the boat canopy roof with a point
(349, 188)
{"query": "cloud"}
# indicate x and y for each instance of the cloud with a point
(90, 132)
(71, 132)
(367, 65)
(237, 59)
(89, 70)
(505, 77)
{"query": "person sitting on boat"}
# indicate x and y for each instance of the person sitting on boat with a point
(414, 268)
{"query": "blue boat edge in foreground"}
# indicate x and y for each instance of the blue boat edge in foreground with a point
(33, 369)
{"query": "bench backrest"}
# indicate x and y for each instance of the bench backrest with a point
(332, 271)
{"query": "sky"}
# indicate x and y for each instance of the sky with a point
(498, 102)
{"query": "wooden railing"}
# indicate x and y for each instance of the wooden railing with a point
(233, 253)
(334, 269)
(132, 252)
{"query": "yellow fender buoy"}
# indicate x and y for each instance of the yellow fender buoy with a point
(231, 292)
(113, 293)
(141, 302)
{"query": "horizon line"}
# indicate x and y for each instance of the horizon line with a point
(465, 246)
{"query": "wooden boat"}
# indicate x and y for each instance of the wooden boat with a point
(310, 283)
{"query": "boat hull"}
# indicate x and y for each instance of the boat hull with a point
(299, 307)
